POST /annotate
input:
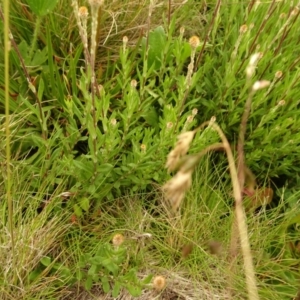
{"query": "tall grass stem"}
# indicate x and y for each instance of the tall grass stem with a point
(7, 124)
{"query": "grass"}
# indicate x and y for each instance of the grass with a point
(82, 165)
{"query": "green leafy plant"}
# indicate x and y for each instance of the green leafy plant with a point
(108, 266)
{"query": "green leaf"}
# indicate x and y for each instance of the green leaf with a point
(110, 266)
(42, 7)
(88, 283)
(93, 270)
(77, 210)
(148, 279)
(105, 284)
(79, 275)
(34, 275)
(46, 261)
(156, 44)
(105, 168)
(41, 89)
(116, 289)
(134, 291)
(39, 57)
(85, 203)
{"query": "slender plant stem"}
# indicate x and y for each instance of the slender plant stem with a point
(240, 220)
(95, 11)
(241, 141)
(7, 124)
(240, 217)
(208, 33)
(35, 36)
(28, 78)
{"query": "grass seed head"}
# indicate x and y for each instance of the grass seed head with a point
(181, 148)
(176, 187)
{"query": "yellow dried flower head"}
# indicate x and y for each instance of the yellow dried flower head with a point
(133, 83)
(143, 147)
(194, 41)
(169, 125)
(190, 119)
(194, 111)
(113, 122)
(282, 16)
(159, 283)
(278, 74)
(243, 29)
(118, 240)
(295, 11)
(281, 103)
(83, 12)
(125, 39)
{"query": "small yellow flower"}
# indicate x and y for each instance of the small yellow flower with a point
(194, 41)
(159, 283)
(133, 83)
(118, 240)
(169, 125)
(113, 122)
(143, 147)
(243, 29)
(281, 103)
(278, 74)
(83, 12)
